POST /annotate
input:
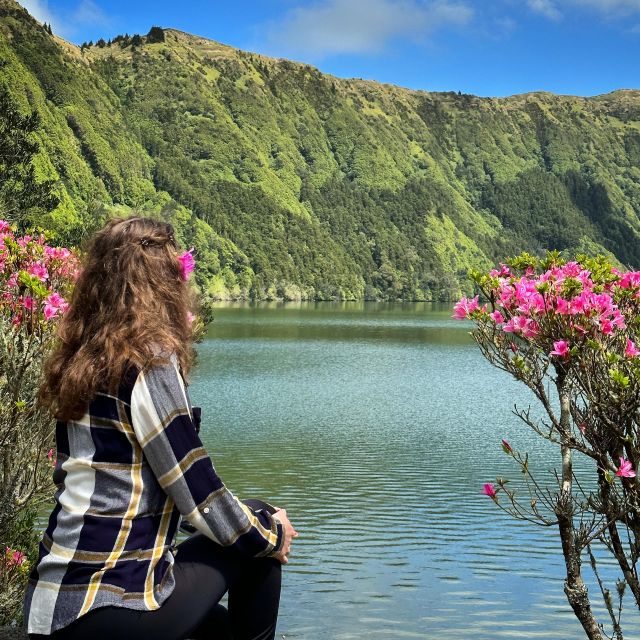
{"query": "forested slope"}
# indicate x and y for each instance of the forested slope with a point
(291, 183)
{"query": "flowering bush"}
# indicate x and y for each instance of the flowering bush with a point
(14, 569)
(570, 331)
(34, 280)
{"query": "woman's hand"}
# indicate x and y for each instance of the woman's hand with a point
(289, 534)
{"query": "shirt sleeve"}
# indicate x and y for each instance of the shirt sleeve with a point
(163, 425)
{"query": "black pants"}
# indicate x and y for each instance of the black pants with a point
(204, 572)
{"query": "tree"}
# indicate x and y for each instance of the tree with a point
(156, 34)
(568, 331)
(22, 196)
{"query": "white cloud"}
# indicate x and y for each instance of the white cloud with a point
(611, 7)
(555, 9)
(547, 8)
(89, 13)
(67, 24)
(39, 9)
(333, 27)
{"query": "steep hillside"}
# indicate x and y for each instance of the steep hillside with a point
(292, 183)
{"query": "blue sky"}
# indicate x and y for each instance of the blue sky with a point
(484, 47)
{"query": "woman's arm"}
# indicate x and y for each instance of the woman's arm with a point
(163, 426)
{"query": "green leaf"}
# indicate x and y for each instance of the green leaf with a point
(35, 285)
(619, 378)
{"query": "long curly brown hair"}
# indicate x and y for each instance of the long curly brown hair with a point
(129, 307)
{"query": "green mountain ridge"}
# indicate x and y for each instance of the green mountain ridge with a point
(291, 183)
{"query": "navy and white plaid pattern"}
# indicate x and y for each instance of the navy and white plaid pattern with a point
(125, 474)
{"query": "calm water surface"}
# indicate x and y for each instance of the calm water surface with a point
(375, 426)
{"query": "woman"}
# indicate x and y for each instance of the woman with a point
(130, 465)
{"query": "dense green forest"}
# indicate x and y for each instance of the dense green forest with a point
(293, 184)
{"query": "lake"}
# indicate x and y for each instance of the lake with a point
(375, 426)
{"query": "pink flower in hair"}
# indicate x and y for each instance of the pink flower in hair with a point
(187, 263)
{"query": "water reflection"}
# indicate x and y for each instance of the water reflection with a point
(376, 425)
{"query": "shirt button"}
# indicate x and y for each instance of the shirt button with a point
(206, 510)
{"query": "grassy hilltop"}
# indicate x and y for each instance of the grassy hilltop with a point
(293, 183)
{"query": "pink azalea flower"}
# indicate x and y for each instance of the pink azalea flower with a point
(187, 263)
(54, 303)
(38, 270)
(631, 351)
(4, 226)
(618, 320)
(489, 490)
(571, 269)
(497, 317)
(190, 317)
(579, 304)
(625, 470)
(504, 271)
(29, 303)
(629, 280)
(538, 303)
(50, 311)
(515, 325)
(560, 348)
(585, 277)
(464, 307)
(55, 300)
(562, 306)
(606, 326)
(603, 303)
(13, 557)
(56, 253)
(531, 329)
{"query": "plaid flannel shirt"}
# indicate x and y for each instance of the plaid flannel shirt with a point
(126, 472)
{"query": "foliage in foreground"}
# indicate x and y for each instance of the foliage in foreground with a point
(570, 332)
(34, 280)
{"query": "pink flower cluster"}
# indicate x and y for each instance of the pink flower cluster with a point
(464, 308)
(33, 276)
(13, 558)
(563, 305)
